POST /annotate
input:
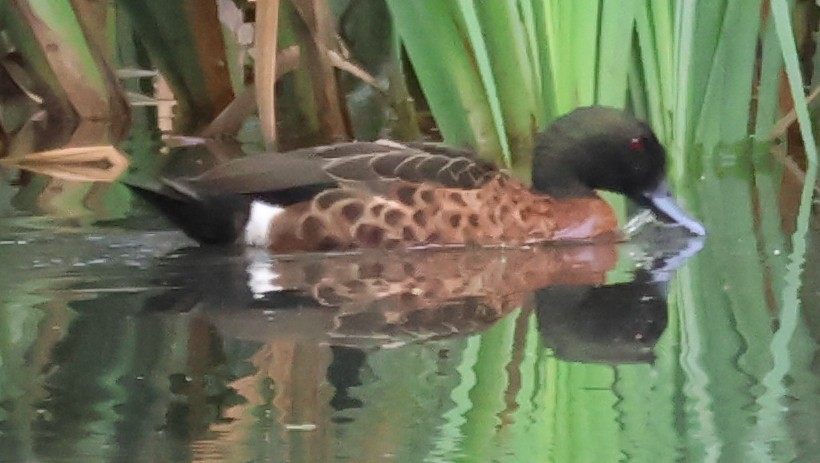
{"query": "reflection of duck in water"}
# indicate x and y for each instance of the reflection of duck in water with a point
(366, 300)
(424, 292)
(618, 323)
(614, 323)
(387, 194)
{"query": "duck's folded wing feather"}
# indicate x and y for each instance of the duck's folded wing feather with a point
(411, 163)
(356, 164)
(264, 173)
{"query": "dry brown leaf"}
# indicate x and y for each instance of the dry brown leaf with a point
(319, 37)
(229, 121)
(138, 99)
(287, 60)
(271, 64)
(103, 163)
(790, 118)
(780, 153)
(134, 73)
(346, 65)
(211, 55)
(267, 40)
(177, 141)
(20, 77)
(88, 85)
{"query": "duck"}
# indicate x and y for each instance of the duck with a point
(388, 194)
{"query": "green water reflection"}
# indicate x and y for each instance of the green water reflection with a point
(118, 346)
(121, 343)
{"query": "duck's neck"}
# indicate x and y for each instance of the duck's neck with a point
(555, 166)
(560, 187)
(557, 179)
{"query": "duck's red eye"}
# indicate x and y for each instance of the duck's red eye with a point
(637, 143)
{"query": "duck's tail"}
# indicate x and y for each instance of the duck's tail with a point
(209, 218)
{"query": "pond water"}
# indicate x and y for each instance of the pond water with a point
(123, 341)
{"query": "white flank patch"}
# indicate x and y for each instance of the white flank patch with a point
(257, 230)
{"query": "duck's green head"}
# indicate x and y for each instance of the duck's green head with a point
(600, 148)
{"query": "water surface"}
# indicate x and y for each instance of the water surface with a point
(123, 341)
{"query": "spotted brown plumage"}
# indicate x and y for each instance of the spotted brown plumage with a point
(429, 279)
(411, 214)
(388, 194)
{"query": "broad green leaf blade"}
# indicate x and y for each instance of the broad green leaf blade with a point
(728, 96)
(444, 65)
(617, 30)
(507, 45)
(484, 61)
(650, 69)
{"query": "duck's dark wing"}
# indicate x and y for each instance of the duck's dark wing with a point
(263, 172)
(355, 164)
(415, 163)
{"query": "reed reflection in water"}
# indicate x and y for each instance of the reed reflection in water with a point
(197, 354)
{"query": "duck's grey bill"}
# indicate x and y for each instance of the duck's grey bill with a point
(661, 202)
